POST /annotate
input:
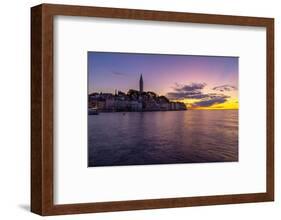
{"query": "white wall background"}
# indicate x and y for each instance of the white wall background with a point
(15, 110)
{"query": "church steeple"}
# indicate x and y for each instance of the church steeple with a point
(141, 84)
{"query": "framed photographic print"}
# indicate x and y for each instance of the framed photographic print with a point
(138, 109)
(150, 120)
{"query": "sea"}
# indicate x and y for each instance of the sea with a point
(162, 137)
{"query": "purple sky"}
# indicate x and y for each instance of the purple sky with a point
(162, 73)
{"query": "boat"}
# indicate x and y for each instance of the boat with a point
(93, 111)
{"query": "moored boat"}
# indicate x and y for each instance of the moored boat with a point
(93, 111)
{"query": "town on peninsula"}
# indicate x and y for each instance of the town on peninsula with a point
(132, 101)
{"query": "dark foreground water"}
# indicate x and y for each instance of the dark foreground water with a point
(136, 138)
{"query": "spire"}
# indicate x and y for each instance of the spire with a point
(141, 84)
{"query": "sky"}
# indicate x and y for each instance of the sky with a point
(201, 82)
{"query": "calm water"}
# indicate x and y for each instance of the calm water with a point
(136, 138)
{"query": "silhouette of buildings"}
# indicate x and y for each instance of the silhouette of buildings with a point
(133, 100)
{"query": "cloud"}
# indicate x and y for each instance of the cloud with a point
(118, 73)
(189, 88)
(224, 88)
(186, 95)
(212, 99)
(188, 91)
(194, 91)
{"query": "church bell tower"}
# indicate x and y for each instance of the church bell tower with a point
(141, 84)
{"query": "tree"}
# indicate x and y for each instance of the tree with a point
(164, 98)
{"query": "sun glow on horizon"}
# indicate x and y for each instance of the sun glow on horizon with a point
(230, 104)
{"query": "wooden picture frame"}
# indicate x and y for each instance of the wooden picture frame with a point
(42, 105)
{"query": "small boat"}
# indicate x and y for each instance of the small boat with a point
(93, 111)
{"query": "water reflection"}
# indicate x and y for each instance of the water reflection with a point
(136, 138)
